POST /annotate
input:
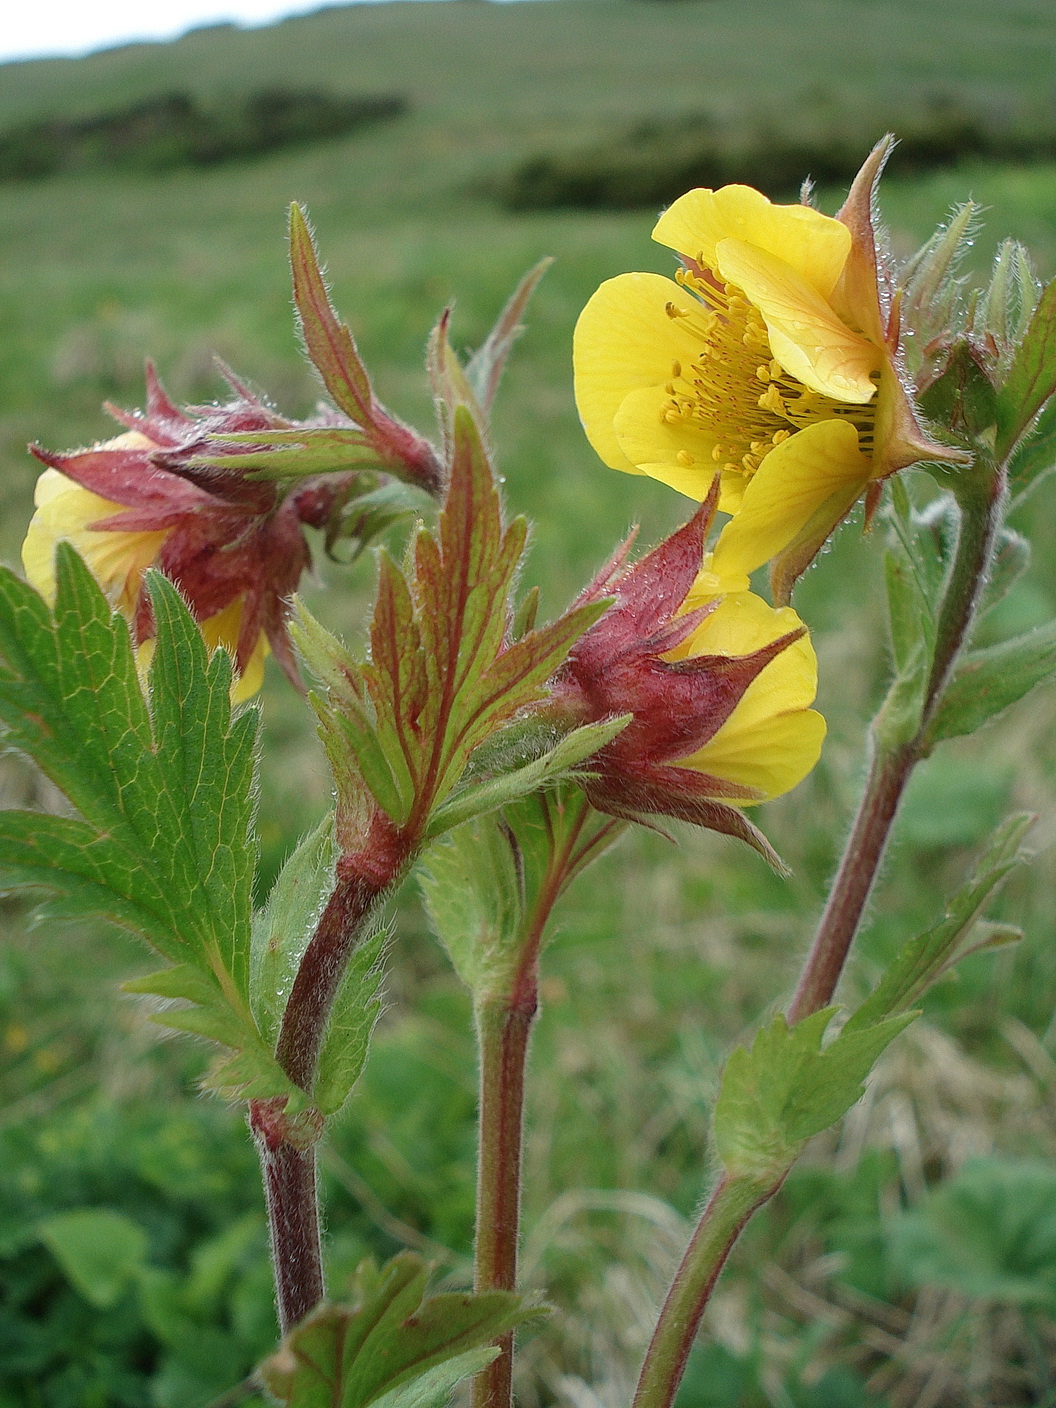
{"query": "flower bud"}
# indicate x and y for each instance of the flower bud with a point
(235, 546)
(719, 687)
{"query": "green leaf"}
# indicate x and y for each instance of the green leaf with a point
(1035, 455)
(1012, 554)
(283, 928)
(1031, 378)
(391, 1344)
(480, 797)
(474, 895)
(988, 1234)
(433, 1388)
(352, 1018)
(924, 960)
(293, 453)
(963, 398)
(786, 1087)
(990, 680)
(100, 1251)
(328, 341)
(164, 842)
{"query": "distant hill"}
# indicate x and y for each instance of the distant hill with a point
(546, 64)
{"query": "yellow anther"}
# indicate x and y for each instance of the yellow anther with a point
(780, 436)
(676, 370)
(717, 453)
(763, 373)
(685, 458)
(775, 368)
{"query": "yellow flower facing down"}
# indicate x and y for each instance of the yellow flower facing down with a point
(718, 688)
(117, 559)
(234, 545)
(773, 737)
(770, 362)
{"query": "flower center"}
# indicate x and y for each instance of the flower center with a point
(737, 391)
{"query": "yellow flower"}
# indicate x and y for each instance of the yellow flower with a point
(771, 361)
(118, 558)
(773, 737)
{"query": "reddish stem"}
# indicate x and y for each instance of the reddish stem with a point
(293, 1214)
(362, 879)
(286, 1147)
(504, 1031)
(504, 1026)
(854, 880)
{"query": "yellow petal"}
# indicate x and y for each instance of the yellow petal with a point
(625, 340)
(223, 630)
(794, 480)
(679, 455)
(116, 559)
(814, 245)
(773, 755)
(806, 336)
(772, 739)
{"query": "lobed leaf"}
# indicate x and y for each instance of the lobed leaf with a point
(283, 928)
(393, 1346)
(787, 1087)
(924, 959)
(164, 842)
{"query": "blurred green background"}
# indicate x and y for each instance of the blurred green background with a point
(911, 1260)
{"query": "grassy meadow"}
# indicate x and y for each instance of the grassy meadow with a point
(893, 1275)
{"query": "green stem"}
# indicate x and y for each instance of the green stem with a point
(734, 1201)
(731, 1204)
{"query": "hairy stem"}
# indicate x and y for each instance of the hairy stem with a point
(734, 1201)
(731, 1204)
(286, 1146)
(847, 899)
(293, 1217)
(892, 766)
(362, 879)
(504, 1026)
(504, 1030)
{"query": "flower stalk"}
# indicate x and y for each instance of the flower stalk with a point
(735, 1200)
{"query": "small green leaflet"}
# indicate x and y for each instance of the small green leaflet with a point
(283, 928)
(1031, 378)
(356, 1008)
(164, 843)
(473, 890)
(923, 960)
(1035, 455)
(394, 1346)
(787, 1087)
(989, 681)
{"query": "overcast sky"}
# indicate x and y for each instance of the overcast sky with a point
(36, 28)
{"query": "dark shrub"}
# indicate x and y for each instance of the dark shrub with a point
(174, 130)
